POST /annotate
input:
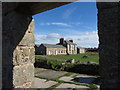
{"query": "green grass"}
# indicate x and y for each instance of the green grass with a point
(79, 57)
(58, 66)
(51, 60)
(50, 63)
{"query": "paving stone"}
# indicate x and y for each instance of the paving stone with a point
(51, 74)
(73, 86)
(85, 79)
(42, 83)
(67, 79)
(40, 70)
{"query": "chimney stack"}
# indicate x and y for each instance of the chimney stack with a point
(71, 41)
(61, 40)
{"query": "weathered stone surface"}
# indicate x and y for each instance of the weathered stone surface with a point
(18, 43)
(106, 5)
(15, 26)
(18, 55)
(108, 25)
(51, 74)
(28, 38)
(67, 79)
(42, 83)
(38, 70)
(23, 55)
(7, 79)
(23, 74)
(73, 86)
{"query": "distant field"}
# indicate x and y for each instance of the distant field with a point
(79, 57)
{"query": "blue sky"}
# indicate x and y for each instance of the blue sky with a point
(77, 21)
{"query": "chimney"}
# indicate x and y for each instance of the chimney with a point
(61, 40)
(71, 41)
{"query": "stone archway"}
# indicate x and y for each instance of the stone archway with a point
(18, 42)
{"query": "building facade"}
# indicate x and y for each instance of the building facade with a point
(71, 48)
(49, 49)
(61, 48)
(80, 50)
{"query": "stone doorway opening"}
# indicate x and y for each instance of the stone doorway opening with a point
(15, 13)
(49, 29)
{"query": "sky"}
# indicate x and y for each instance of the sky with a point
(76, 21)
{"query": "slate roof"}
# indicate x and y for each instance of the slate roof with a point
(53, 46)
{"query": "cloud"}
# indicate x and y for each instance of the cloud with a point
(60, 24)
(55, 23)
(51, 38)
(85, 40)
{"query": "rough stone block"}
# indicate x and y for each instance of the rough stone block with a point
(23, 55)
(28, 38)
(23, 74)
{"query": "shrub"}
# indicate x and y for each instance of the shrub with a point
(92, 69)
(85, 56)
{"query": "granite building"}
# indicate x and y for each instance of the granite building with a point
(63, 47)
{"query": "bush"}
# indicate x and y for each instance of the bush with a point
(48, 63)
(85, 56)
(92, 69)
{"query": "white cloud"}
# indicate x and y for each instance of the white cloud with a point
(60, 24)
(55, 23)
(49, 38)
(86, 33)
(85, 40)
(53, 36)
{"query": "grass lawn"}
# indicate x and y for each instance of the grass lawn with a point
(79, 57)
(51, 62)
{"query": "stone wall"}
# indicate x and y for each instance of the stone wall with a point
(18, 49)
(15, 26)
(108, 29)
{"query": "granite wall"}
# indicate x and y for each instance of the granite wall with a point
(18, 49)
(108, 30)
(18, 43)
